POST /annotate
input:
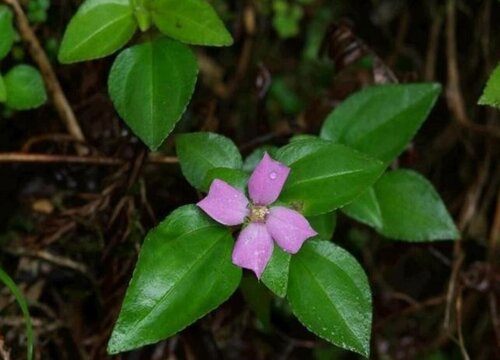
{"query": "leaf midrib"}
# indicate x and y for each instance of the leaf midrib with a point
(322, 177)
(107, 25)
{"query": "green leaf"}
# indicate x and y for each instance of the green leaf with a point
(7, 31)
(11, 285)
(491, 93)
(98, 29)
(235, 177)
(25, 88)
(300, 148)
(381, 120)
(324, 224)
(329, 293)
(3, 91)
(190, 21)
(365, 209)
(411, 208)
(275, 275)
(328, 178)
(151, 85)
(200, 152)
(183, 272)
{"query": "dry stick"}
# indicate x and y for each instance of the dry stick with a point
(51, 82)
(454, 95)
(73, 159)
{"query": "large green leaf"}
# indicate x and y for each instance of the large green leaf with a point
(3, 91)
(411, 208)
(184, 271)
(98, 29)
(380, 121)
(329, 293)
(25, 88)
(151, 85)
(328, 178)
(190, 21)
(365, 209)
(6, 31)
(491, 93)
(275, 275)
(300, 148)
(200, 152)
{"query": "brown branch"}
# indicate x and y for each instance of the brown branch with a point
(454, 94)
(74, 159)
(51, 82)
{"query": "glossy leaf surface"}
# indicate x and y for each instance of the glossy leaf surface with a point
(381, 120)
(328, 291)
(184, 271)
(98, 29)
(24, 87)
(151, 85)
(365, 209)
(275, 275)
(200, 152)
(190, 21)
(328, 178)
(411, 208)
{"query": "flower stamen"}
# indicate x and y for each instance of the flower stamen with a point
(258, 213)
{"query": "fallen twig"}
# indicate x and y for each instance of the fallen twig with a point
(51, 82)
(75, 159)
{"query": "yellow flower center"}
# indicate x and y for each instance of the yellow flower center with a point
(258, 213)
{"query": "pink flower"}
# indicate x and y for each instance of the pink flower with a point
(254, 246)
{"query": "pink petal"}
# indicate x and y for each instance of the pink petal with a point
(267, 180)
(288, 228)
(254, 248)
(225, 204)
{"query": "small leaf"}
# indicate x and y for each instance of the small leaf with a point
(3, 91)
(190, 21)
(491, 93)
(365, 209)
(324, 224)
(411, 208)
(151, 85)
(183, 272)
(381, 120)
(328, 178)
(25, 88)
(200, 152)
(98, 29)
(336, 303)
(275, 275)
(7, 31)
(235, 177)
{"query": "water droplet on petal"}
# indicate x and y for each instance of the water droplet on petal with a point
(273, 175)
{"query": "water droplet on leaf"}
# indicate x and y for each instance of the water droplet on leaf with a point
(273, 175)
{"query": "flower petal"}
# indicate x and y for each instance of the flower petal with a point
(225, 204)
(288, 228)
(254, 248)
(267, 180)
